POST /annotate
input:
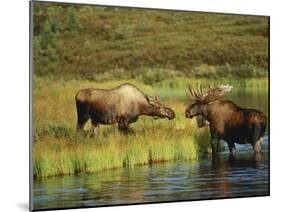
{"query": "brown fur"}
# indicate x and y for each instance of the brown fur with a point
(122, 105)
(230, 122)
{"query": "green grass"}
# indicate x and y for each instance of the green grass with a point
(59, 150)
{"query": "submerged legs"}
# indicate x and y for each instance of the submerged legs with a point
(257, 146)
(216, 146)
(214, 143)
(232, 149)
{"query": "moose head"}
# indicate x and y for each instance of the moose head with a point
(200, 100)
(158, 109)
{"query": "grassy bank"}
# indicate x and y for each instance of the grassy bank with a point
(58, 150)
(78, 154)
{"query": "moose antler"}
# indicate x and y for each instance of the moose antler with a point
(212, 93)
(196, 95)
(215, 93)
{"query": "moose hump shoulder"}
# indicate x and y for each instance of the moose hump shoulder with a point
(128, 93)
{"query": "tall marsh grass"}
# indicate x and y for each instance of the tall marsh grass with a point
(80, 154)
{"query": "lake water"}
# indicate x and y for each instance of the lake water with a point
(203, 179)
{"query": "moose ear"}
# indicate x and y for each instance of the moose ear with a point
(151, 100)
(157, 98)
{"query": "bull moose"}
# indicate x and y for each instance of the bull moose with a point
(227, 121)
(123, 105)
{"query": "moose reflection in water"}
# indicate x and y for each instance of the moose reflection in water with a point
(227, 121)
(123, 105)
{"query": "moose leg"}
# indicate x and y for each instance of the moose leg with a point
(123, 126)
(81, 121)
(257, 146)
(80, 124)
(214, 143)
(82, 116)
(257, 138)
(94, 128)
(231, 147)
(218, 146)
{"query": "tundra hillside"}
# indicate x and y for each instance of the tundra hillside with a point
(103, 43)
(160, 52)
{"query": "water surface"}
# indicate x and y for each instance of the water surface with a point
(203, 179)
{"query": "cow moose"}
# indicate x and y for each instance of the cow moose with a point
(227, 121)
(122, 105)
